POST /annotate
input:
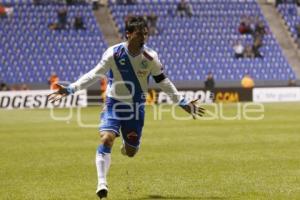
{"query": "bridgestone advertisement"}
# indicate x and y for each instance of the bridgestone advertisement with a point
(38, 99)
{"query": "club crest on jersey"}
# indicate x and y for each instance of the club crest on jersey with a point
(144, 64)
(122, 61)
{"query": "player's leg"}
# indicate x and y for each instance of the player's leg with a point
(130, 150)
(103, 159)
(132, 133)
(109, 130)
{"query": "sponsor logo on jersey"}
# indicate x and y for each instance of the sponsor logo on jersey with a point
(122, 61)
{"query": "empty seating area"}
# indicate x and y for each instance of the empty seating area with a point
(13, 2)
(30, 52)
(290, 16)
(189, 48)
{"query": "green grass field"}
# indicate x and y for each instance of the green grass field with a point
(44, 159)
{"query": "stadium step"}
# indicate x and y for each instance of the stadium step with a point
(105, 21)
(283, 37)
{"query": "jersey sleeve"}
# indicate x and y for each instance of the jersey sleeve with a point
(97, 73)
(157, 67)
(165, 84)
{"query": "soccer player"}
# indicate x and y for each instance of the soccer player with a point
(129, 65)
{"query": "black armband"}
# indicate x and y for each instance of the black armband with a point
(159, 78)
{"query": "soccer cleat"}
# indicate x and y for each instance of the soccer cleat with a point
(102, 191)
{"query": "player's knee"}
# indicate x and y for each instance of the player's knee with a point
(132, 138)
(107, 139)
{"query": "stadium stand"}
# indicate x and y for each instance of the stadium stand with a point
(289, 13)
(191, 47)
(13, 2)
(30, 52)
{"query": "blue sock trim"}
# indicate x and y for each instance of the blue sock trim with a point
(103, 149)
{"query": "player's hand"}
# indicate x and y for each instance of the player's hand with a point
(193, 108)
(59, 94)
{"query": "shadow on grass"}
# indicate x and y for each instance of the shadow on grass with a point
(156, 197)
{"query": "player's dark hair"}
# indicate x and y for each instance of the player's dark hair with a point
(135, 23)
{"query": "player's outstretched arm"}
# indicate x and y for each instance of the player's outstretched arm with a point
(192, 107)
(98, 72)
(168, 87)
(60, 93)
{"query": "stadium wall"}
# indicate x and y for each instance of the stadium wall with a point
(37, 99)
(183, 85)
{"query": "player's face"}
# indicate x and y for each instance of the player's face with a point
(139, 37)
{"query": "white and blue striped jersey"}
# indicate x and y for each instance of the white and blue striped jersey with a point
(128, 75)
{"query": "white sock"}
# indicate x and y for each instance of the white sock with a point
(102, 165)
